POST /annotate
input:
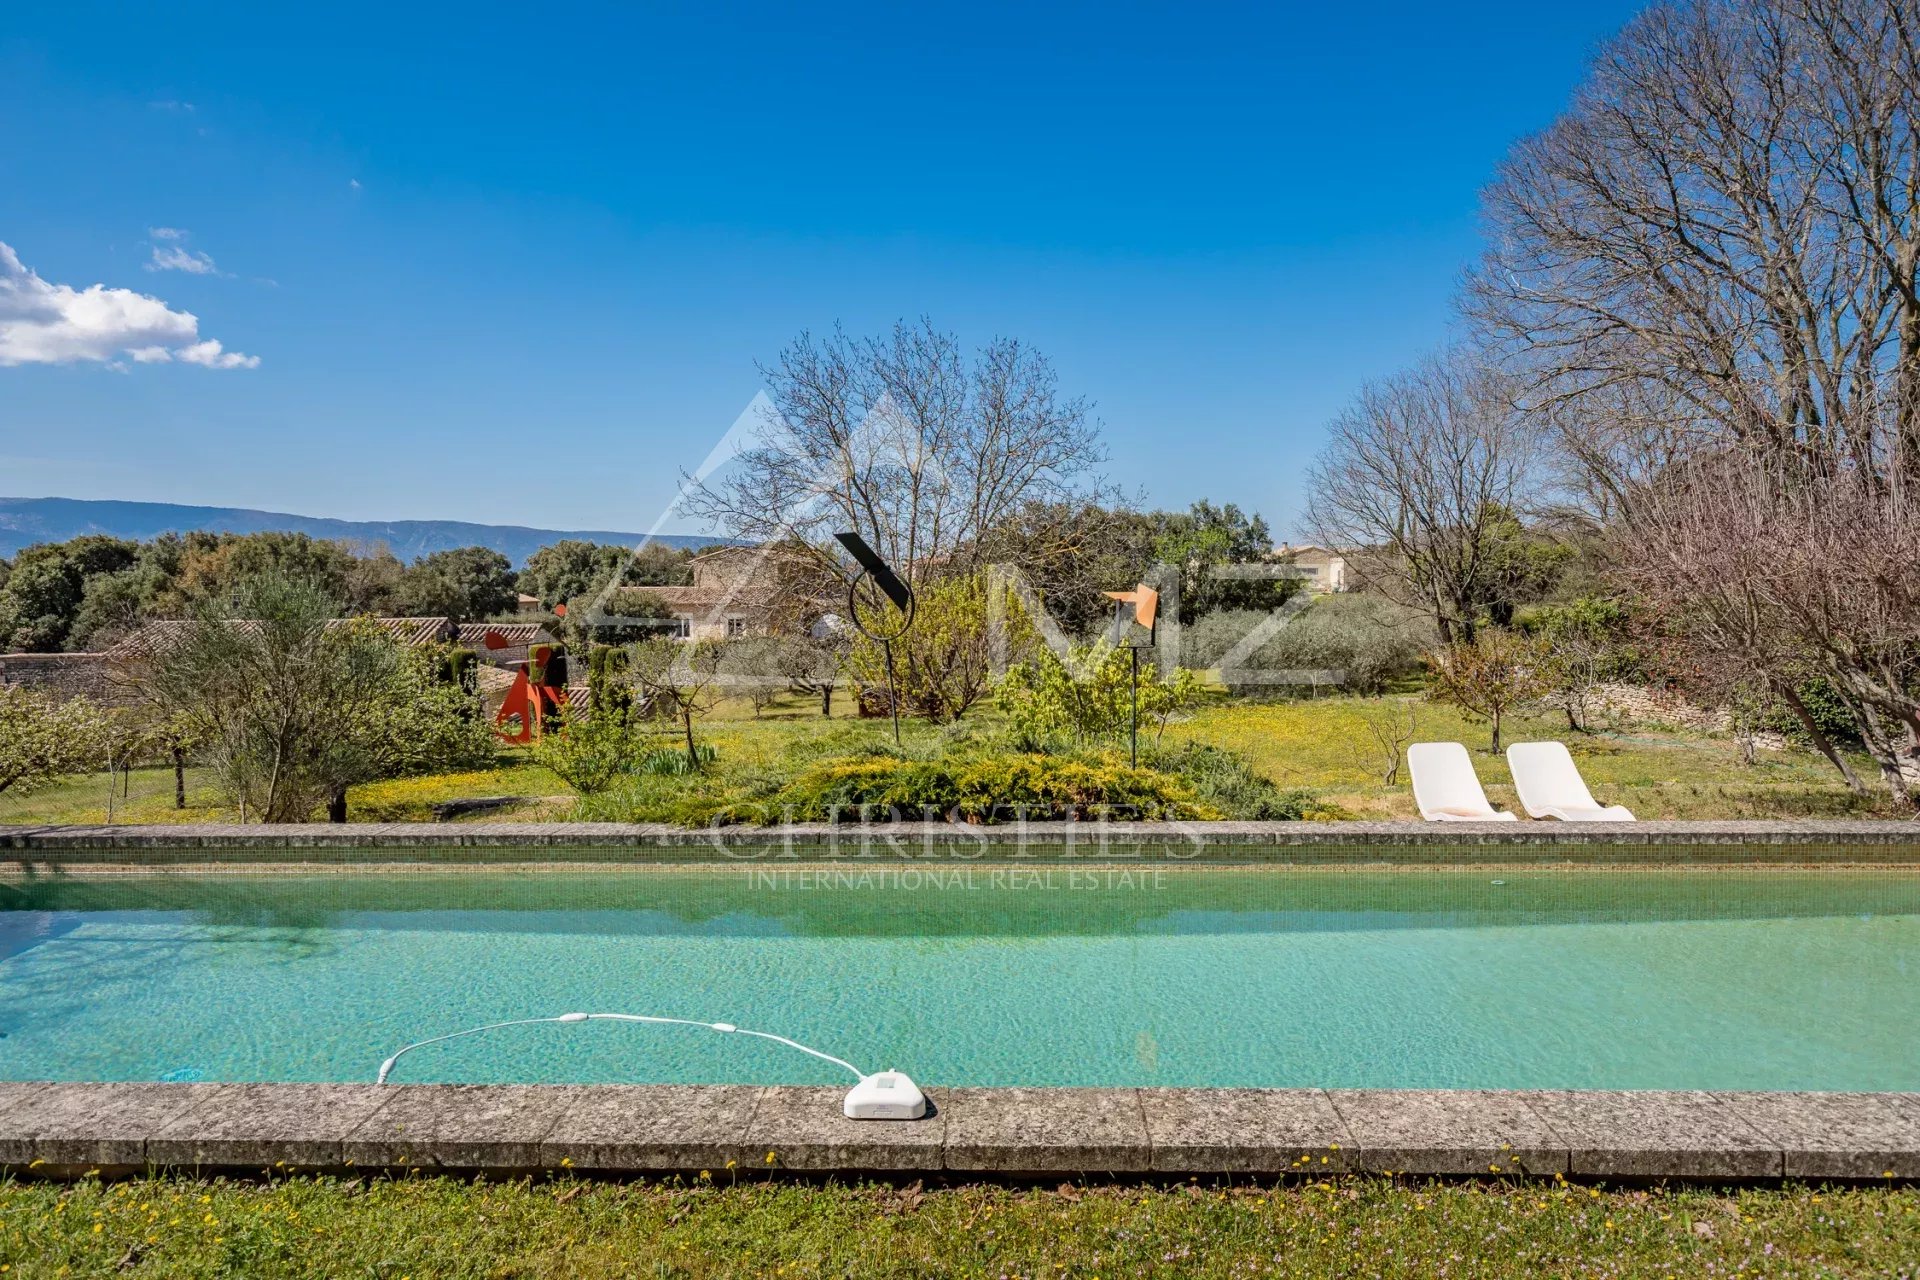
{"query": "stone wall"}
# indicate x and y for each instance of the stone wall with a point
(67, 675)
(1644, 705)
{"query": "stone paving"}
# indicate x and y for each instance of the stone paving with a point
(67, 1129)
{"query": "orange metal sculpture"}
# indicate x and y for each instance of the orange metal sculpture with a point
(539, 691)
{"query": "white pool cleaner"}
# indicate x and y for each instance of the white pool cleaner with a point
(884, 1095)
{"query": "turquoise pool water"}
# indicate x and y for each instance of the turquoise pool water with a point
(1757, 979)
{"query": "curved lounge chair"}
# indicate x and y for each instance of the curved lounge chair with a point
(1550, 785)
(1445, 786)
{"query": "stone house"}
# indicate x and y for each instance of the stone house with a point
(1323, 568)
(734, 593)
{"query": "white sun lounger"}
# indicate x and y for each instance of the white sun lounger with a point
(1550, 785)
(1445, 786)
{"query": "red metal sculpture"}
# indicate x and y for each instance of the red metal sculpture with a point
(539, 691)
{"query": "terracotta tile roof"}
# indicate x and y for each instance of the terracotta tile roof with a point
(412, 632)
(518, 635)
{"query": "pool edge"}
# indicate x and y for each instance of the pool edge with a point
(1884, 842)
(64, 1130)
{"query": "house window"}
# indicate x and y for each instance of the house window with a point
(736, 627)
(682, 628)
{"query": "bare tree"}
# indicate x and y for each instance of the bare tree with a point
(1391, 723)
(1817, 572)
(1709, 271)
(905, 440)
(679, 682)
(1729, 216)
(1420, 482)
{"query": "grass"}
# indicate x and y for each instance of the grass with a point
(1322, 746)
(1325, 745)
(147, 796)
(420, 1227)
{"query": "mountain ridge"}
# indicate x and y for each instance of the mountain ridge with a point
(26, 521)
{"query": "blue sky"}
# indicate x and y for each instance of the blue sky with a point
(517, 264)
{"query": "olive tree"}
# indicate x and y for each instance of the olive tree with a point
(293, 706)
(678, 681)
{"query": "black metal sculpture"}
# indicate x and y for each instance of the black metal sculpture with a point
(890, 585)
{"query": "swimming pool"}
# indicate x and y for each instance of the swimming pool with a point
(1752, 978)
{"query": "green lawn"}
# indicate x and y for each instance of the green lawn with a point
(421, 1227)
(1323, 745)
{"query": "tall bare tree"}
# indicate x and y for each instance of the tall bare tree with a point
(1419, 482)
(1709, 270)
(1729, 214)
(906, 440)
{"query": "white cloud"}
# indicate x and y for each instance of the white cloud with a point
(42, 323)
(171, 257)
(208, 354)
(354, 183)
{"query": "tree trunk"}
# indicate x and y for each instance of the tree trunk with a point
(693, 758)
(826, 703)
(1821, 742)
(179, 778)
(1496, 732)
(337, 805)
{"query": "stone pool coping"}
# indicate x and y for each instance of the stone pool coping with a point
(726, 1131)
(1884, 842)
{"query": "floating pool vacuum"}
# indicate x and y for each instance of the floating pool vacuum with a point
(884, 1095)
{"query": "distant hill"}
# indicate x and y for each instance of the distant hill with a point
(25, 521)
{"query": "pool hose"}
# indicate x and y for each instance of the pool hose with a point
(386, 1068)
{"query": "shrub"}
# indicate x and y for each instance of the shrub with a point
(985, 788)
(1368, 641)
(42, 738)
(1086, 698)
(595, 751)
(1823, 704)
(1224, 780)
(944, 665)
(611, 690)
